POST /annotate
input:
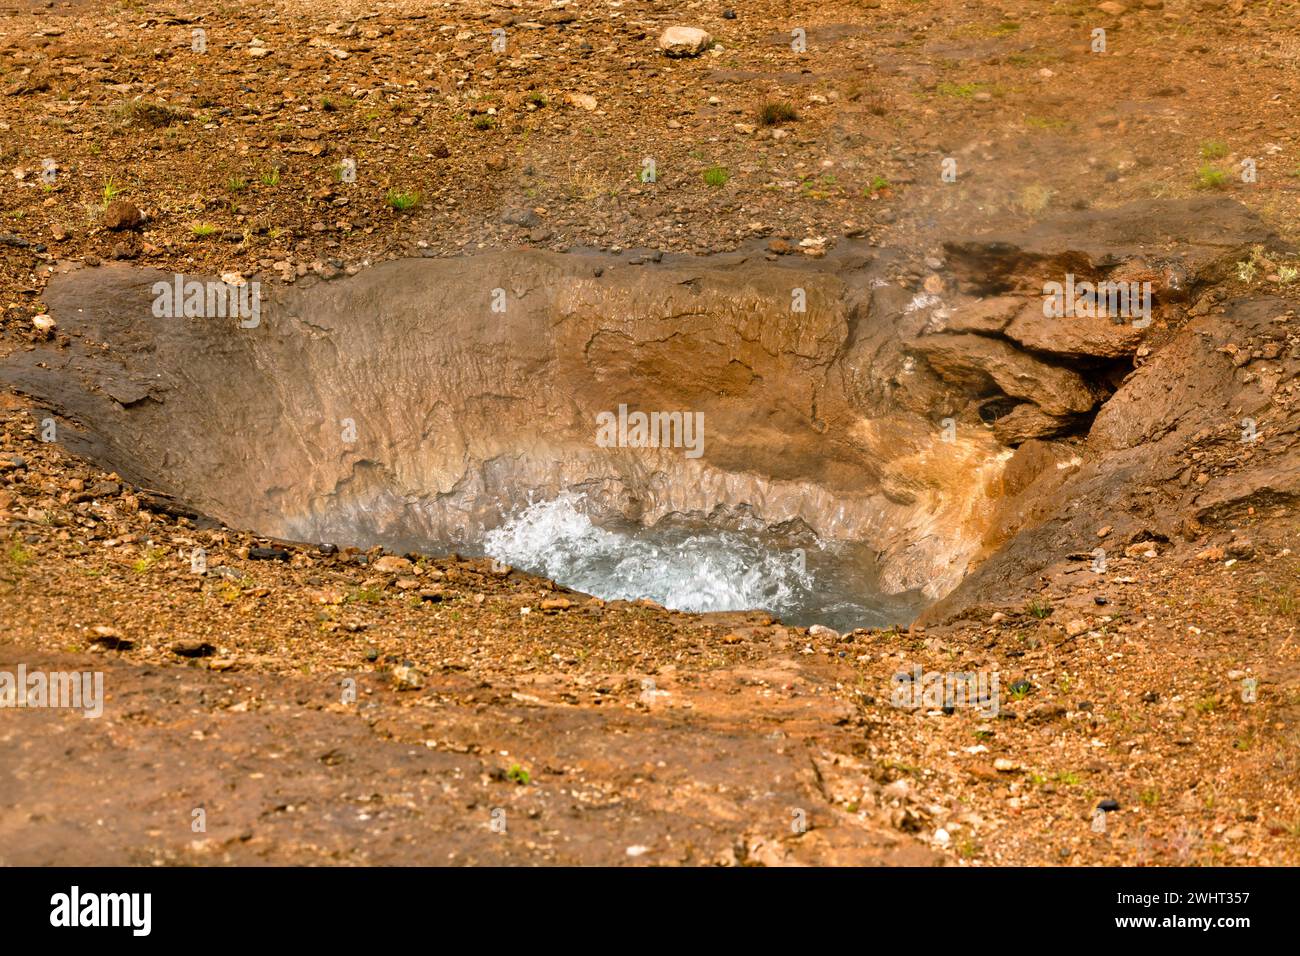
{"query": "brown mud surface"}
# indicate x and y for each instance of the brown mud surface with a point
(498, 717)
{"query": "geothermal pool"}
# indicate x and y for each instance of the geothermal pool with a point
(688, 566)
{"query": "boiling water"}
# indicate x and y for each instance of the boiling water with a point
(691, 567)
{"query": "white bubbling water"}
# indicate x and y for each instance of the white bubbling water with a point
(688, 568)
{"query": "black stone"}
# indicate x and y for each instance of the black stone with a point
(268, 554)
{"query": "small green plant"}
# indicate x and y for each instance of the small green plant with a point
(236, 184)
(271, 177)
(1207, 705)
(519, 775)
(152, 115)
(878, 184)
(401, 200)
(1211, 177)
(1046, 122)
(1213, 149)
(1068, 778)
(1149, 798)
(776, 112)
(146, 562)
(1287, 274)
(963, 91)
(716, 176)
(484, 121)
(1038, 608)
(536, 99)
(364, 596)
(18, 555)
(111, 190)
(202, 230)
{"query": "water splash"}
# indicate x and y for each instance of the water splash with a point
(694, 568)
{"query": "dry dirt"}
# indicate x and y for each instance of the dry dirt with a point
(496, 717)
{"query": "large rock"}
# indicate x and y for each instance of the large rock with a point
(1138, 468)
(988, 316)
(684, 41)
(1074, 336)
(980, 363)
(1029, 421)
(1178, 238)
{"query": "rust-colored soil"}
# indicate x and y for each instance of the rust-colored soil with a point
(497, 718)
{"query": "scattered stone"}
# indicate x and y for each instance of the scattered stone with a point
(520, 217)
(268, 554)
(192, 648)
(406, 677)
(584, 101)
(121, 214)
(1243, 549)
(109, 638)
(105, 489)
(684, 41)
(822, 632)
(1003, 765)
(392, 564)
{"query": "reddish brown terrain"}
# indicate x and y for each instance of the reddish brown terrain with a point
(348, 705)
